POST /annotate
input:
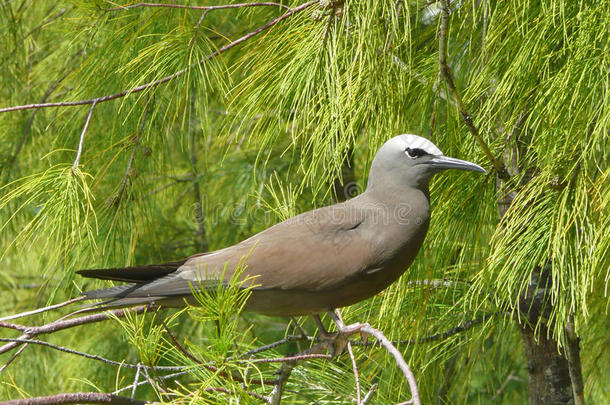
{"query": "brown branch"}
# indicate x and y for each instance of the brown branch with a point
(206, 8)
(289, 359)
(56, 326)
(76, 398)
(289, 338)
(348, 330)
(511, 377)
(90, 356)
(446, 73)
(137, 384)
(13, 357)
(39, 310)
(354, 365)
(166, 79)
(82, 137)
(369, 395)
(573, 356)
(181, 348)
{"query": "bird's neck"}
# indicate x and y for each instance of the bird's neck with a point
(396, 189)
(400, 199)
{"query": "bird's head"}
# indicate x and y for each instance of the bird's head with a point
(412, 160)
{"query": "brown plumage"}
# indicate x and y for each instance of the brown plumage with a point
(322, 259)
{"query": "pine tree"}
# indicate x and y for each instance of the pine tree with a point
(134, 133)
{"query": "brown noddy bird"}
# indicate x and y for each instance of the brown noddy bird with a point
(320, 260)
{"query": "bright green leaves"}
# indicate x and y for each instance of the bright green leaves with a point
(220, 302)
(53, 211)
(321, 83)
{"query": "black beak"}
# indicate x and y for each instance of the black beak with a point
(444, 162)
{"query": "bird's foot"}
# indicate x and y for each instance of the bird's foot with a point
(336, 343)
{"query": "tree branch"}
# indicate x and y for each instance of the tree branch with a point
(82, 137)
(284, 373)
(206, 8)
(383, 341)
(39, 310)
(76, 398)
(55, 326)
(354, 365)
(369, 395)
(166, 79)
(446, 73)
(91, 356)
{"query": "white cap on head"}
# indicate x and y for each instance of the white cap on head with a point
(417, 142)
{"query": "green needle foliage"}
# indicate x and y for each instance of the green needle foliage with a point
(228, 143)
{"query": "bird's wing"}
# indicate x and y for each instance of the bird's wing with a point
(316, 250)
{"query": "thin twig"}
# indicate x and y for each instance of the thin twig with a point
(177, 344)
(289, 338)
(165, 377)
(453, 331)
(91, 356)
(82, 136)
(135, 381)
(276, 394)
(377, 334)
(369, 395)
(446, 73)
(39, 310)
(511, 377)
(402, 364)
(56, 326)
(132, 157)
(166, 79)
(289, 359)
(354, 365)
(207, 8)
(13, 357)
(76, 398)
(437, 336)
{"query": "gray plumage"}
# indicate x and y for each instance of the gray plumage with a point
(322, 259)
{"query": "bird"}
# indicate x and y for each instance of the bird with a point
(318, 261)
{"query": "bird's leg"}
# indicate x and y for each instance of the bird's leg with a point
(345, 331)
(298, 327)
(320, 326)
(328, 338)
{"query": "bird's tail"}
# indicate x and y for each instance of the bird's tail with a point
(136, 276)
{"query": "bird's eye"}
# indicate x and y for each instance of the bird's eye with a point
(415, 153)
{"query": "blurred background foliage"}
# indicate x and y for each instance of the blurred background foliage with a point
(285, 122)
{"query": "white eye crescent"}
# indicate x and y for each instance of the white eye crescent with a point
(414, 153)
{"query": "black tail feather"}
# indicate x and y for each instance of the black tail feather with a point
(135, 274)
